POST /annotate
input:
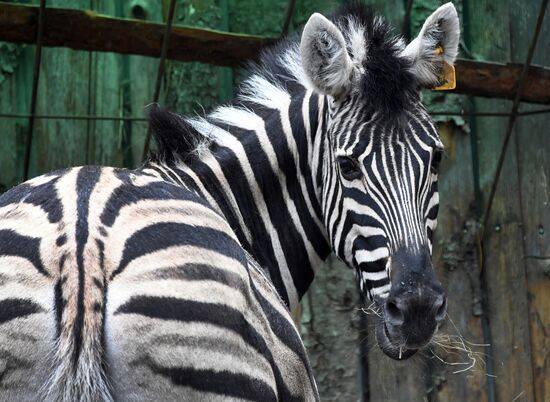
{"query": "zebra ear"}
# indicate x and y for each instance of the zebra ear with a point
(436, 43)
(325, 59)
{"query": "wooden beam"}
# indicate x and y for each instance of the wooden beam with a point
(496, 80)
(86, 30)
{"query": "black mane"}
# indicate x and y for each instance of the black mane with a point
(174, 136)
(387, 84)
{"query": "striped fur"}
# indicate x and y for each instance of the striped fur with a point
(137, 286)
(175, 281)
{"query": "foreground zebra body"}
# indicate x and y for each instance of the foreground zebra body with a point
(141, 285)
(175, 281)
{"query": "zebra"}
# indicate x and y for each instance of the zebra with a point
(176, 280)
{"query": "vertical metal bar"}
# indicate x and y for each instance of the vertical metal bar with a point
(471, 115)
(288, 17)
(475, 157)
(406, 28)
(34, 94)
(514, 113)
(225, 75)
(160, 71)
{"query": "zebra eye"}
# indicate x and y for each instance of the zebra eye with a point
(436, 160)
(349, 168)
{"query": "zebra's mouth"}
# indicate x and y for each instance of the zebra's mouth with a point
(391, 348)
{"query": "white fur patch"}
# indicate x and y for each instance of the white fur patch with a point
(259, 90)
(355, 35)
(292, 59)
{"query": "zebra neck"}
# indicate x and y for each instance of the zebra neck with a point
(262, 172)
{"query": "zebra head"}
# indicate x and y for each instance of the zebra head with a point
(379, 190)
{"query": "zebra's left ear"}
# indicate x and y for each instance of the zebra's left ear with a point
(325, 59)
(436, 43)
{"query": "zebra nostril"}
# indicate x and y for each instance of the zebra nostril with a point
(393, 314)
(441, 311)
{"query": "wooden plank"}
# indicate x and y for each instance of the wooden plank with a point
(103, 99)
(503, 265)
(104, 137)
(506, 283)
(534, 177)
(86, 30)
(15, 89)
(63, 87)
(535, 187)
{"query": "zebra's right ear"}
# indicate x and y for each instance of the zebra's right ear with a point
(325, 59)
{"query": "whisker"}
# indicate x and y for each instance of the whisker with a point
(459, 348)
(371, 310)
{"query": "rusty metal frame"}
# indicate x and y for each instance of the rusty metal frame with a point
(34, 94)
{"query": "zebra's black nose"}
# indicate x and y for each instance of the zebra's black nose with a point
(399, 310)
(411, 318)
(415, 306)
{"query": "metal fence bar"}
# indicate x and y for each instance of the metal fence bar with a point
(144, 119)
(34, 94)
(288, 17)
(406, 27)
(160, 71)
(513, 114)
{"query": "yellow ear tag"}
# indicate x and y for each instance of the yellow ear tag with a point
(447, 79)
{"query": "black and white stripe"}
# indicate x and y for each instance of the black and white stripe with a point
(142, 291)
(177, 280)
